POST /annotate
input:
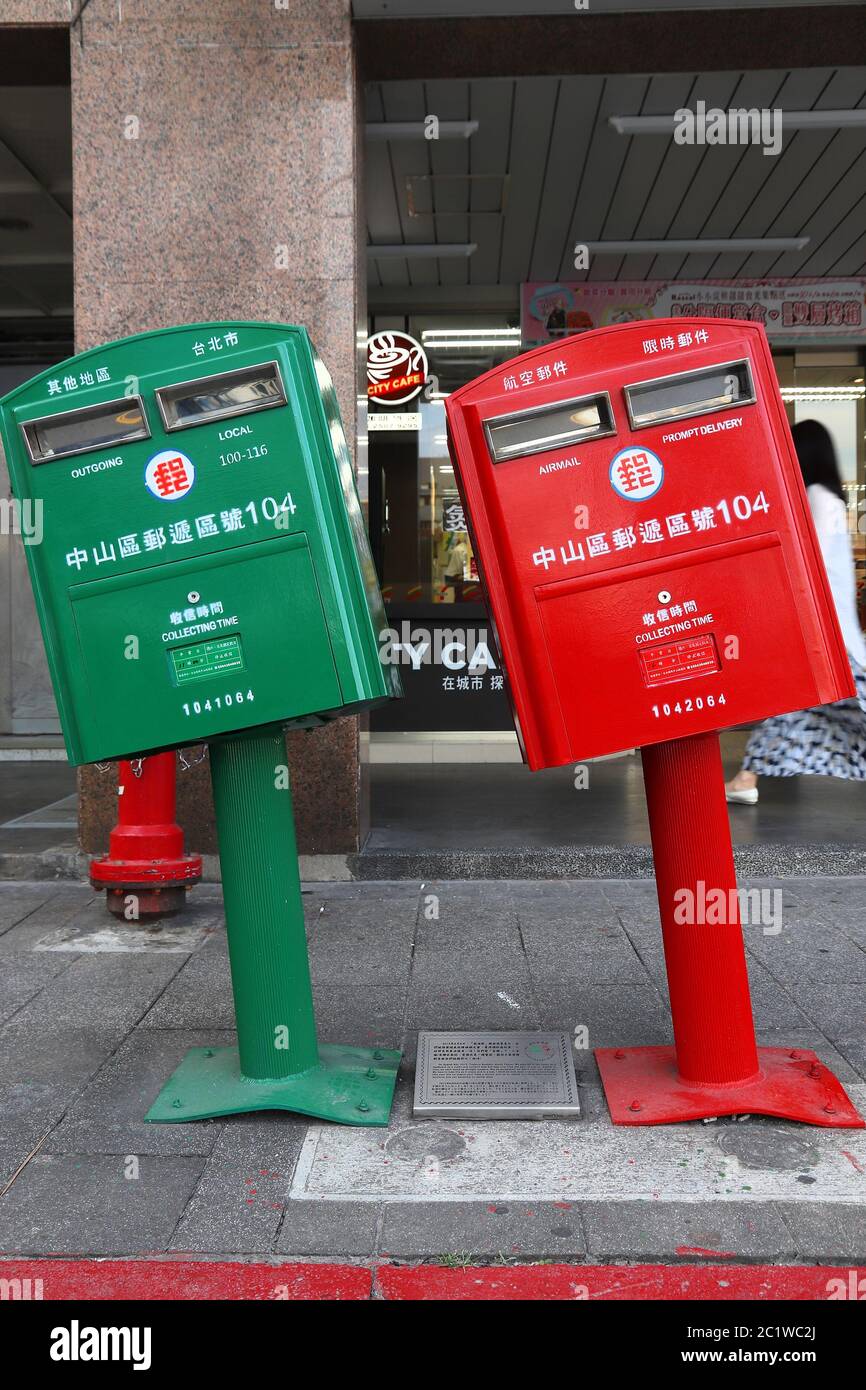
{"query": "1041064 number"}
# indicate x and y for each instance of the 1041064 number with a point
(217, 702)
(692, 705)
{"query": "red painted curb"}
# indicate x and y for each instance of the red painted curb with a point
(662, 1283)
(151, 1279)
(172, 1280)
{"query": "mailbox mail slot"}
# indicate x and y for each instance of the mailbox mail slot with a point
(204, 565)
(644, 538)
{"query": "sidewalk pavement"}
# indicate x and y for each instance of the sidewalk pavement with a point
(95, 1014)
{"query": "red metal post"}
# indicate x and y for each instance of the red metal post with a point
(146, 873)
(711, 1006)
(715, 1066)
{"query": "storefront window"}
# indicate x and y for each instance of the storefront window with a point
(418, 529)
(828, 385)
(420, 542)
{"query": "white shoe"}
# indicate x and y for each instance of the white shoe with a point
(746, 797)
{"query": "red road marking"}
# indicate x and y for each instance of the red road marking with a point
(172, 1280)
(151, 1278)
(578, 1282)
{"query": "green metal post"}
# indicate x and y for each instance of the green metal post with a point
(277, 1064)
(263, 906)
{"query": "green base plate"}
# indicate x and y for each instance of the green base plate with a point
(351, 1085)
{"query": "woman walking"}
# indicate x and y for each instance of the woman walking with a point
(829, 740)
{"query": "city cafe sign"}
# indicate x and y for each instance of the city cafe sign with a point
(396, 367)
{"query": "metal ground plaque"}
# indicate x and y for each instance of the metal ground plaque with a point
(495, 1076)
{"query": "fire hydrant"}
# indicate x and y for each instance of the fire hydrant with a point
(146, 873)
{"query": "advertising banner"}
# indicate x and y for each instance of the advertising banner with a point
(788, 309)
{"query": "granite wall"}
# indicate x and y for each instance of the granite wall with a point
(217, 175)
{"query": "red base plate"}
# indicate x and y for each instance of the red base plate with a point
(141, 873)
(643, 1087)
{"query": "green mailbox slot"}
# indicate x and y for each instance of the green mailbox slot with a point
(204, 575)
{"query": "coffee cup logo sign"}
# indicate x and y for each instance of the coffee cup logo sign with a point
(396, 368)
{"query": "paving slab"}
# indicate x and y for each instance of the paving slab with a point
(23, 1133)
(496, 992)
(462, 1232)
(811, 951)
(837, 1009)
(827, 1233)
(772, 1003)
(24, 928)
(612, 1015)
(317, 1227)
(199, 995)
(240, 1199)
(853, 1049)
(374, 1017)
(96, 1205)
(458, 917)
(23, 974)
(115, 991)
(108, 1114)
(690, 1231)
(20, 900)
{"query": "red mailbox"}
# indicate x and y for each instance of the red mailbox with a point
(646, 546)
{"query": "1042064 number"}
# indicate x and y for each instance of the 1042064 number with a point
(692, 705)
(217, 702)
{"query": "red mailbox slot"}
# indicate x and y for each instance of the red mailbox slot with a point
(648, 555)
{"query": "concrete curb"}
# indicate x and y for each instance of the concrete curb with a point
(67, 862)
(595, 861)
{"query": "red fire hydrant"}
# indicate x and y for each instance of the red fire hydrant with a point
(146, 873)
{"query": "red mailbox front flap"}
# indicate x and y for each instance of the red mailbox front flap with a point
(653, 680)
(653, 449)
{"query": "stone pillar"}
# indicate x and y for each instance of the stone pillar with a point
(217, 175)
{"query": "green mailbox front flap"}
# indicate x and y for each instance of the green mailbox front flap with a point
(162, 484)
(216, 674)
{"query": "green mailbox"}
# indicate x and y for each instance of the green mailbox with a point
(204, 575)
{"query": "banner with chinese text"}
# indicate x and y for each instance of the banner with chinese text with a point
(788, 309)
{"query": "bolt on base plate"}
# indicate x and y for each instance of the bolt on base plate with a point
(643, 1087)
(351, 1085)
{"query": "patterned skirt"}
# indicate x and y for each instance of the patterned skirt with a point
(827, 741)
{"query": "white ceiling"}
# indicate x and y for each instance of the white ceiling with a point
(35, 202)
(545, 170)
